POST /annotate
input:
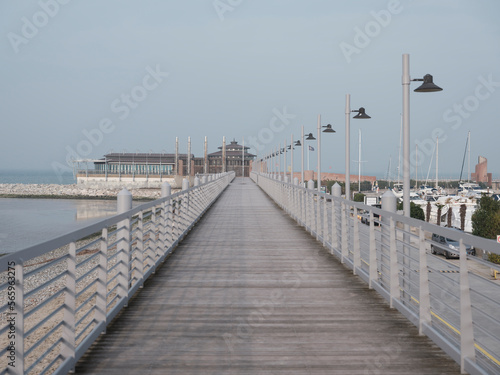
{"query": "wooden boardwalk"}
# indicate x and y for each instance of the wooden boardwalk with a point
(250, 292)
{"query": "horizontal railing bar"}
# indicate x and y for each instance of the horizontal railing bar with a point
(46, 266)
(45, 284)
(43, 321)
(42, 339)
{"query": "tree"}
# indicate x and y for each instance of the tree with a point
(463, 211)
(448, 217)
(440, 208)
(486, 218)
(415, 211)
(428, 212)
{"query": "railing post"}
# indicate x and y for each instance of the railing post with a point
(16, 318)
(356, 245)
(166, 191)
(389, 203)
(102, 284)
(325, 222)
(185, 206)
(294, 198)
(393, 260)
(345, 244)
(124, 204)
(140, 243)
(69, 328)
(310, 205)
(424, 297)
(467, 349)
(372, 253)
(336, 192)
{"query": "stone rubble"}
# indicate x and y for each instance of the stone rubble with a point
(73, 191)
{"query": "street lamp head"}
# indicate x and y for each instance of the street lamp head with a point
(328, 129)
(361, 113)
(428, 85)
(310, 137)
(298, 143)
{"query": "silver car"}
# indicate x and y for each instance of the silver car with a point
(448, 247)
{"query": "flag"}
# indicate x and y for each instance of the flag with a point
(311, 148)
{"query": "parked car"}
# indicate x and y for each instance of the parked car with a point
(449, 247)
(364, 217)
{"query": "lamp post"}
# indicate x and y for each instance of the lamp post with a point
(291, 159)
(319, 154)
(427, 86)
(284, 157)
(361, 114)
(328, 129)
(303, 147)
(176, 166)
(310, 137)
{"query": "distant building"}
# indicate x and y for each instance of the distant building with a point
(151, 169)
(481, 174)
(236, 156)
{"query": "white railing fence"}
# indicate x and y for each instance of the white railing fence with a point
(57, 297)
(454, 302)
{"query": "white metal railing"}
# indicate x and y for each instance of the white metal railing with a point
(57, 297)
(454, 302)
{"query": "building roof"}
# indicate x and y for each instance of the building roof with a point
(233, 149)
(140, 158)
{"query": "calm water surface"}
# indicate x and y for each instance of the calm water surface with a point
(26, 222)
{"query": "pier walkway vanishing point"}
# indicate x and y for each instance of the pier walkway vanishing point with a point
(249, 291)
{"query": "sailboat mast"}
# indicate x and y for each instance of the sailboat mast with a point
(416, 167)
(437, 148)
(468, 163)
(399, 149)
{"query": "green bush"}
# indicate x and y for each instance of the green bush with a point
(494, 258)
(415, 211)
(486, 219)
(359, 197)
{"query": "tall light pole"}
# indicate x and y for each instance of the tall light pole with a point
(363, 115)
(176, 166)
(310, 137)
(284, 157)
(189, 157)
(427, 86)
(223, 154)
(205, 163)
(328, 129)
(291, 159)
(319, 154)
(303, 147)
(243, 158)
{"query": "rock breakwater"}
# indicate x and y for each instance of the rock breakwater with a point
(71, 192)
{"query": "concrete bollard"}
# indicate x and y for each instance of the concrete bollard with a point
(166, 189)
(123, 201)
(296, 181)
(196, 181)
(310, 184)
(389, 201)
(185, 184)
(286, 180)
(204, 179)
(336, 190)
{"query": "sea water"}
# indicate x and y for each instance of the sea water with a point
(25, 222)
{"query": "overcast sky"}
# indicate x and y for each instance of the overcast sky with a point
(80, 79)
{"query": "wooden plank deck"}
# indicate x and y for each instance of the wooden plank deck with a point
(250, 292)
